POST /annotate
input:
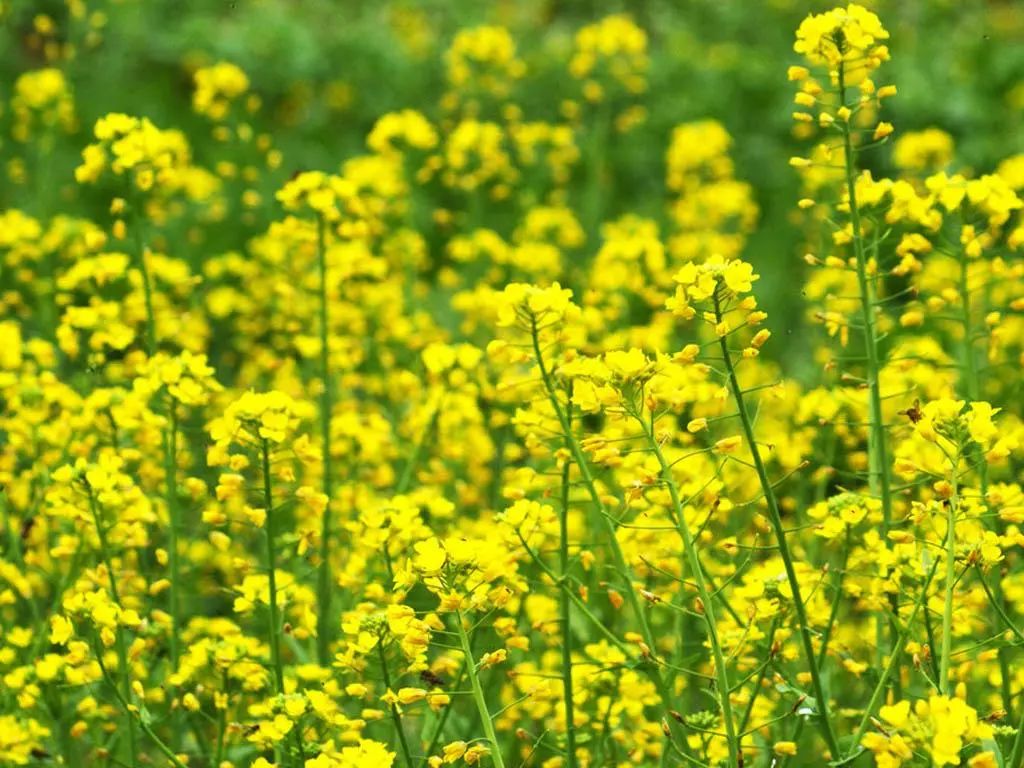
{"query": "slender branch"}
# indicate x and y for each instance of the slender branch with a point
(565, 607)
(603, 517)
(324, 585)
(775, 517)
(696, 567)
(122, 650)
(275, 621)
(396, 716)
(478, 692)
(952, 505)
(133, 717)
(890, 667)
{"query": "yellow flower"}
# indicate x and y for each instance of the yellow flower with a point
(784, 748)
(216, 87)
(979, 423)
(627, 365)
(430, 556)
(896, 714)
(728, 444)
(454, 751)
(849, 36)
(738, 276)
(61, 630)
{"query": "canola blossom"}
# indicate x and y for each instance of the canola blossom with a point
(445, 459)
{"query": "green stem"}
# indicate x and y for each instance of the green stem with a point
(932, 646)
(947, 612)
(1017, 754)
(878, 462)
(222, 723)
(970, 383)
(999, 609)
(132, 718)
(566, 587)
(836, 599)
(761, 675)
(147, 283)
(171, 478)
(972, 389)
(478, 692)
(409, 471)
(588, 481)
(795, 738)
(396, 716)
(618, 559)
(275, 614)
(565, 606)
(890, 667)
(693, 558)
(596, 160)
(275, 621)
(324, 580)
(441, 722)
(174, 528)
(775, 517)
(122, 650)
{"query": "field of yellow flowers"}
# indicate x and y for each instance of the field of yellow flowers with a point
(430, 413)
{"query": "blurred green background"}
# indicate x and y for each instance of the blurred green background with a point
(327, 69)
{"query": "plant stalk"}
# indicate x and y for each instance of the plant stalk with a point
(478, 692)
(324, 580)
(565, 608)
(775, 517)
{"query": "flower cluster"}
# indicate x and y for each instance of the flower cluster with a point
(475, 444)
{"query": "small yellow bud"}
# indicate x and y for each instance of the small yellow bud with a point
(882, 130)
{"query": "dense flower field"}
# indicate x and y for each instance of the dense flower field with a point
(450, 451)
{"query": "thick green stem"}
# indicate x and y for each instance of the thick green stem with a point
(566, 614)
(775, 517)
(478, 692)
(324, 580)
